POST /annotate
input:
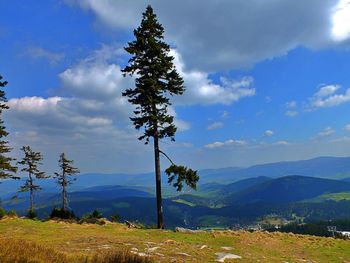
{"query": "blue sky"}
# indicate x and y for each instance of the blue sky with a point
(266, 81)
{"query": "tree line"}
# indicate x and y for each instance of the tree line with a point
(156, 81)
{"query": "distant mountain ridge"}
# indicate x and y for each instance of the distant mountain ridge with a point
(286, 190)
(240, 202)
(321, 167)
(317, 167)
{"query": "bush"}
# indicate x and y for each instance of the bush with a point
(12, 213)
(93, 218)
(115, 218)
(31, 214)
(63, 214)
(93, 215)
(96, 214)
(2, 212)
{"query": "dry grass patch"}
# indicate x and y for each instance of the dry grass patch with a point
(75, 240)
(21, 251)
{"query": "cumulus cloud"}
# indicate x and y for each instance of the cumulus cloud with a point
(215, 125)
(326, 91)
(180, 124)
(230, 142)
(202, 90)
(268, 133)
(327, 96)
(233, 39)
(341, 22)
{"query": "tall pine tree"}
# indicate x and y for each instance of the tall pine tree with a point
(7, 170)
(30, 163)
(64, 178)
(156, 79)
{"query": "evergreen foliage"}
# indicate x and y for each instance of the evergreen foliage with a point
(156, 80)
(60, 213)
(30, 163)
(12, 213)
(7, 170)
(31, 214)
(94, 215)
(115, 218)
(64, 177)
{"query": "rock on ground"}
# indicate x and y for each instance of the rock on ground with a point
(186, 230)
(221, 257)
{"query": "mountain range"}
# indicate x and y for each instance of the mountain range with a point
(311, 190)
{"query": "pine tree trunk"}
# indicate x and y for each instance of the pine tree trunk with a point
(158, 183)
(31, 204)
(64, 194)
(31, 208)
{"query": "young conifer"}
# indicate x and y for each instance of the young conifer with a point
(64, 178)
(30, 163)
(156, 79)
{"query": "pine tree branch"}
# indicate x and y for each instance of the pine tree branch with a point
(167, 157)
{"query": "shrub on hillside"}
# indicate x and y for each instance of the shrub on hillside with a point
(62, 214)
(31, 214)
(93, 218)
(2, 212)
(115, 218)
(12, 213)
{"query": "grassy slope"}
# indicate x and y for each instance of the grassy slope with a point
(332, 196)
(75, 240)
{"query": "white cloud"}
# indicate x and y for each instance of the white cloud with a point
(230, 142)
(201, 90)
(326, 132)
(282, 143)
(88, 116)
(327, 97)
(88, 111)
(212, 42)
(291, 108)
(215, 125)
(291, 104)
(291, 113)
(347, 127)
(341, 21)
(38, 53)
(268, 133)
(180, 124)
(326, 91)
(224, 114)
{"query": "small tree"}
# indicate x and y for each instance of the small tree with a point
(7, 170)
(30, 163)
(156, 79)
(63, 178)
